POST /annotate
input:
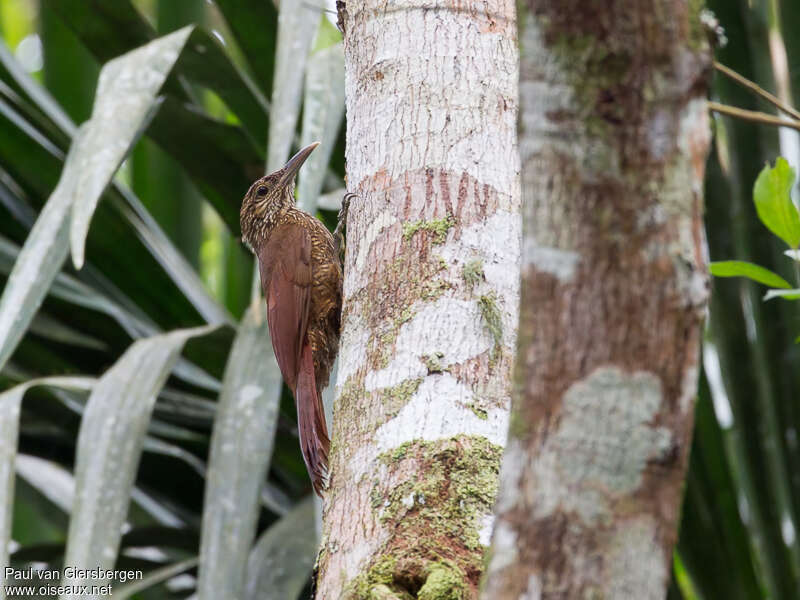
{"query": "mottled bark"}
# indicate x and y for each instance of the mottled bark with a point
(430, 297)
(613, 139)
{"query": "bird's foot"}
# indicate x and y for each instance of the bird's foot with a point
(341, 224)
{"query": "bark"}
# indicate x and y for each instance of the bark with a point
(430, 297)
(613, 139)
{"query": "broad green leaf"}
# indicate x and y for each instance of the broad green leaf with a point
(111, 29)
(90, 164)
(99, 25)
(107, 29)
(134, 322)
(281, 561)
(109, 446)
(39, 527)
(154, 176)
(171, 260)
(10, 401)
(773, 201)
(34, 94)
(792, 294)
(127, 590)
(70, 72)
(218, 156)
(205, 62)
(124, 103)
(241, 448)
(40, 259)
(115, 135)
(254, 24)
(323, 112)
(52, 480)
(57, 485)
(297, 25)
(37, 163)
(67, 288)
(738, 268)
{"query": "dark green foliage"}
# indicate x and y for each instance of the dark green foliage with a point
(198, 155)
(737, 538)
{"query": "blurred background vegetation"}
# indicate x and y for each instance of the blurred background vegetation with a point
(163, 254)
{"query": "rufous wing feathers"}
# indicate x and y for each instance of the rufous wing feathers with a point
(286, 277)
(285, 264)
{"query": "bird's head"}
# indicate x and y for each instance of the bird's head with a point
(269, 196)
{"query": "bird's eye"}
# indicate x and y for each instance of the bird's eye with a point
(262, 191)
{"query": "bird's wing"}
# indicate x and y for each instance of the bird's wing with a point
(285, 264)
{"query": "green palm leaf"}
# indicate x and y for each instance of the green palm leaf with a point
(241, 449)
(112, 434)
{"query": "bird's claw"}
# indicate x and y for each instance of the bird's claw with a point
(341, 224)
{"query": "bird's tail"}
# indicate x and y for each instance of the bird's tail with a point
(314, 441)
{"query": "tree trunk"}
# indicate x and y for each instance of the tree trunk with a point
(430, 297)
(613, 139)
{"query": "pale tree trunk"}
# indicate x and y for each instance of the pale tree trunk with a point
(613, 139)
(430, 297)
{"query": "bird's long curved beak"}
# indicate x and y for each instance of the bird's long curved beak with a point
(291, 168)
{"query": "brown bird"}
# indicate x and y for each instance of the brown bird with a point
(301, 277)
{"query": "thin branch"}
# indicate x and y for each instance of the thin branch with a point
(757, 89)
(753, 115)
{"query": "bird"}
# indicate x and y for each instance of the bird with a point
(301, 277)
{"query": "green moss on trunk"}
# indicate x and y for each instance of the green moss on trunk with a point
(439, 227)
(434, 552)
(491, 314)
(472, 272)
